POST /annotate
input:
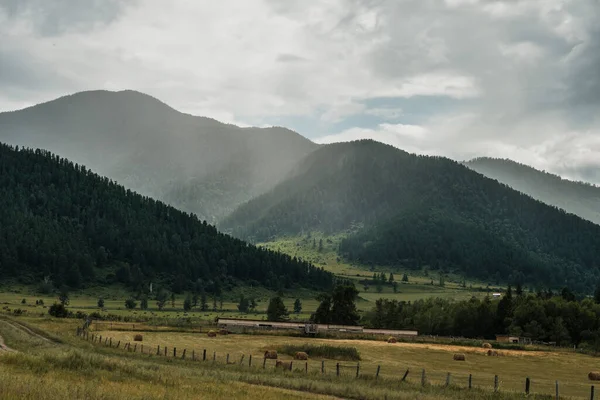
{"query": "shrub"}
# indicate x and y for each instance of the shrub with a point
(322, 351)
(58, 310)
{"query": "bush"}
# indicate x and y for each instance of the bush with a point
(322, 351)
(58, 310)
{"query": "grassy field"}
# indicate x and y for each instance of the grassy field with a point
(49, 362)
(512, 367)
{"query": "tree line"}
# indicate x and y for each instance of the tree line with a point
(61, 224)
(543, 316)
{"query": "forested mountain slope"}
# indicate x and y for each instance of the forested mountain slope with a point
(419, 210)
(196, 164)
(579, 198)
(60, 220)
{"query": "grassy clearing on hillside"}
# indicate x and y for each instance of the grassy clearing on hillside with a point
(512, 367)
(342, 353)
(79, 369)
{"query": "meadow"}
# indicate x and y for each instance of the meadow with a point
(48, 361)
(544, 368)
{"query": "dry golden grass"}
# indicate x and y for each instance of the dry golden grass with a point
(570, 369)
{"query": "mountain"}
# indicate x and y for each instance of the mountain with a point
(579, 198)
(417, 211)
(60, 220)
(196, 164)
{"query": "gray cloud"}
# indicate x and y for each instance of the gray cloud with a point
(529, 69)
(52, 18)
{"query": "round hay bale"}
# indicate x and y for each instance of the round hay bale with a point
(271, 354)
(223, 332)
(594, 376)
(392, 339)
(212, 333)
(283, 365)
(492, 353)
(300, 355)
(487, 345)
(138, 338)
(459, 357)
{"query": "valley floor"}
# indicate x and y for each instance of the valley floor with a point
(51, 362)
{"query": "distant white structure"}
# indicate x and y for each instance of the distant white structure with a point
(150, 287)
(496, 295)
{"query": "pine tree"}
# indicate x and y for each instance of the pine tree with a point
(144, 303)
(297, 306)
(187, 303)
(391, 278)
(276, 311)
(100, 302)
(404, 278)
(320, 244)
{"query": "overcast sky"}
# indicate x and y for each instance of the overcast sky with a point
(460, 78)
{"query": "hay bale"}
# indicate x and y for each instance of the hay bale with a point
(487, 346)
(223, 332)
(138, 338)
(271, 354)
(594, 376)
(300, 355)
(459, 357)
(283, 365)
(392, 339)
(212, 333)
(492, 353)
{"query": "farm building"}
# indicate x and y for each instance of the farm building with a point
(513, 339)
(232, 323)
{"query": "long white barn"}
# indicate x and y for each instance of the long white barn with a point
(229, 323)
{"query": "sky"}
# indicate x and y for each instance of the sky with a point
(457, 78)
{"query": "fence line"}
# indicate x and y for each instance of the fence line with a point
(450, 380)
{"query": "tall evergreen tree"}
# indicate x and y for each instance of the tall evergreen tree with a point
(276, 311)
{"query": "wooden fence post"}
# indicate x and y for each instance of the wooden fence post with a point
(165, 351)
(405, 375)
(242, 359)
(174, 352)
(322, 366)
(214, 356)
(306, 367)
(557, 390)
(100, 340)
(357, 369)
(291, 362)
(527, 385)
(110, 342)
(135, 348)
(118, 344)
(183, 355)
(592, 393)
(448, 379)
(264, 362)
(423, 379)
(250, 360)
(495, 383)
(337, 369)
(377, 373)
(204, 355)
(470, 381)
(227, 362)
(142, 349)
(158, 350)
(193, 355)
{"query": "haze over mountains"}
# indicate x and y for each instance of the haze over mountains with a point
(194, 163)
(418, 210)
(579, 198)
(261, 184)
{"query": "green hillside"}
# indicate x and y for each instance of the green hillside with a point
(418, 210)
(579, 198)
(60, 221)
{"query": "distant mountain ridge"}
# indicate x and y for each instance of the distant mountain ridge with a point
(579, 198)
(194, 163)
(420, 211)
